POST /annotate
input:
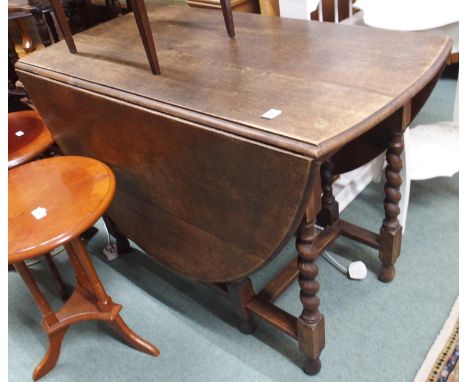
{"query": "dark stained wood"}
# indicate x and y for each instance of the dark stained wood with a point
(208, 187)
(280, 282)
(391, 230)
(138, 9)
(63, 24)
(419, 99)
(359, 234)
(141, 18)
(122, 242)
(228, 18)
(211, 228)
(310, 324)
(201, 81)
(273, 315)
(41, 26)
(50, 23)
(329, 212)
(241, 292)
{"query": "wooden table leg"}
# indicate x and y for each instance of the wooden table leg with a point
(80, 274)
(329, 213)
(310, 324)
(50, 318)
(123, 244)
(105, 303)
(391, 230)
(240, 293)
(56, 276)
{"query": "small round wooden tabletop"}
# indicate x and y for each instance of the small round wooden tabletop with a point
(28, 136)
(54, 200)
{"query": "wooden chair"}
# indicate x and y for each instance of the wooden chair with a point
(141, 17)
(28, 137)
(44, 215)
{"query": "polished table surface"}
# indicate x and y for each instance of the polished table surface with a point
(332, 82)
(207, 186)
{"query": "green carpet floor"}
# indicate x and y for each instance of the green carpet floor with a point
(374, 331)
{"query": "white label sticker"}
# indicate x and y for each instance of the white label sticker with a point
(19, 133)
(272, 113)
(39, 213)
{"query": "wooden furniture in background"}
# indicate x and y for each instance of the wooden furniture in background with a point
(28, 137)
(269, 7)
(249, 6)
(332, 10)
(41, 12)
(207, 186)
(141, 17)
(77, 192)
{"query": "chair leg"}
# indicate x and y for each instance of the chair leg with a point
(57, 278)
(141, 18)
(63, 24)
(228, 18)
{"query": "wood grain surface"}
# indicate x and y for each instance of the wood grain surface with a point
(75, 192)
(332, 82)
(28, 137)
(205, 185)
(207, 204)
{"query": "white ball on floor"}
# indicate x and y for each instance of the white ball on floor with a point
(357, 270)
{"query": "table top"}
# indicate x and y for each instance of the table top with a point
(332, 82)
(28, 136)
(74, 191)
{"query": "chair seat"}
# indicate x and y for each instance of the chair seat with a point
(28, 137)
(74, 191)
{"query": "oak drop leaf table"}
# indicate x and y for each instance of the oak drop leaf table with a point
(207, 186)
